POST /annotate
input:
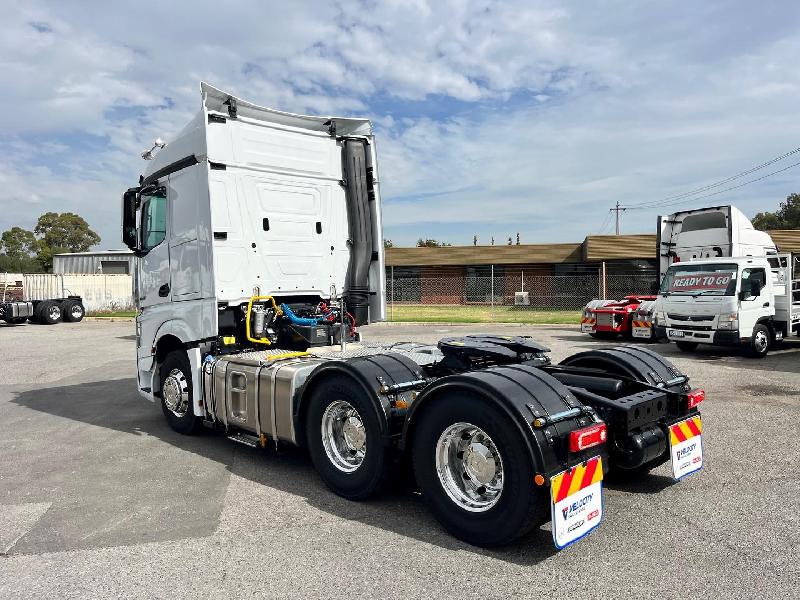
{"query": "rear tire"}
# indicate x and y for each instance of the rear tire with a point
(687, 346)
(760, 342)
(73, 311)
(344, 439)
(176, 392)
(477, 514)
(50, 312)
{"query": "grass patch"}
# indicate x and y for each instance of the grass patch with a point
(436, 313)
(112, 313)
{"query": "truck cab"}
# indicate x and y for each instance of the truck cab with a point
(740, 301)
(248, 202)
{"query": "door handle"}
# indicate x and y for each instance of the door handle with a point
(765, 305)
(163, 291)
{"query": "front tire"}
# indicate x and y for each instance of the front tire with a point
(475, 472)
(760, 342)
(176, 392)
(344, 439)
(687, 346)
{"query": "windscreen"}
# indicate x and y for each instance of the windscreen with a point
(705, 279)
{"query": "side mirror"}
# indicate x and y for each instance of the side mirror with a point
(129, 235)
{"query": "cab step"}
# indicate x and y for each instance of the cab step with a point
(246, 439)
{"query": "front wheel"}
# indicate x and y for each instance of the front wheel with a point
(473, 468)
(176, 392)
(344, 439)
(760, 342)
(687, 346)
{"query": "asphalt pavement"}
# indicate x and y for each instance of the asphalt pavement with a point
(99, 498)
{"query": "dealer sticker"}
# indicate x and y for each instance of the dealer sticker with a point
(686, 446)
(576, 501)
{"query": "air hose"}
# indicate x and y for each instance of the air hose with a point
(289, 314)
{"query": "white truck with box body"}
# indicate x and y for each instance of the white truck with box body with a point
(260, 252)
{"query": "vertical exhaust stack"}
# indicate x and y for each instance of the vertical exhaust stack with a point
(360, 195)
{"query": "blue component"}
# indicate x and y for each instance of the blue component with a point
(289, 314)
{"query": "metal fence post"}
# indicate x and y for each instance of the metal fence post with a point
(492, 288)
(603, 281)
(391, 315)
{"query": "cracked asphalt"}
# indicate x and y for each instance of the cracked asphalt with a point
(99, 498)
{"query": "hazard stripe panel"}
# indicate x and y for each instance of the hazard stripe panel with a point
(641, 324)
(685, 430)
(577, 478)
(587, 320)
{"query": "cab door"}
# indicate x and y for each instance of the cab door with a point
(153, 281)
(755, 301)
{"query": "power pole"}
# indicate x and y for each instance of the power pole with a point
(617, 210)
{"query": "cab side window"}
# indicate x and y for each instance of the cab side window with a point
(752, 276)
(154, 220)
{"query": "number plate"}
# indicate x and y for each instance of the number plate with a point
(587, 327)
(642, 332)
(686, 446)
(675, 333)
(576, 501)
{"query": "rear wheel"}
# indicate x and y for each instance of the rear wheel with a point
(50, 312)
(176, 392)
(344, 439)
(760, 342)
(687, 346)
(73, 311)
(473, 468)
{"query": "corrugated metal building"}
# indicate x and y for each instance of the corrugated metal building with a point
(107, 262)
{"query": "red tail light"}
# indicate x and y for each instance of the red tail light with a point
(696, 397)
(581, 439)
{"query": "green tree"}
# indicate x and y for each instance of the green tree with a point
(429, 243)
(387, 243)
(18, 243)
(65, 232)
(786, 217)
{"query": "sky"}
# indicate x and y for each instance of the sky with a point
(492, 118)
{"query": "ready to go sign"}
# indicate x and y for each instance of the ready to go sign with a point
(701, 281)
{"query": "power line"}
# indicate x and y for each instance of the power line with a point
(653, 203)
(605, 222)
(728, 189)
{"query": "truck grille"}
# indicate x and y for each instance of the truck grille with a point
(605, 319)
(676, 317)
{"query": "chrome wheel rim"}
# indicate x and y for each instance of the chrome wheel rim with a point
(469, 467)
(75, 311)
(54, 313)
(176, 393)
(344, 436)
(760, 341)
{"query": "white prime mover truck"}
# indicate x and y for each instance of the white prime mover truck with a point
(260, 252)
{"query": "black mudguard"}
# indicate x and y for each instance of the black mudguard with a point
(641, 364)
(370, 373)
(523, 393)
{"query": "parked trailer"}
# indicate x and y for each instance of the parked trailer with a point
(260, 252)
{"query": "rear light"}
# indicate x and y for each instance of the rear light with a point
(581, 439)
(696, 397)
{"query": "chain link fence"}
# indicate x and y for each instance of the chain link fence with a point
(537, 292)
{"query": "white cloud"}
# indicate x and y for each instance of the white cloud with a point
(493, 117)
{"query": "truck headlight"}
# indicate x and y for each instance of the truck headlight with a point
(729, 321)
